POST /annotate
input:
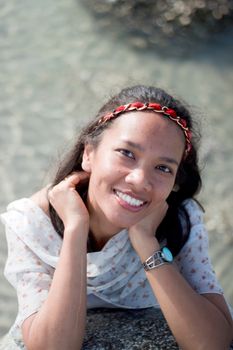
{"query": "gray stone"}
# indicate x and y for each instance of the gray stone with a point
(111, 329)
(160, 22)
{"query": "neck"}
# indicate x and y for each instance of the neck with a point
(95, 244)
(100, 232)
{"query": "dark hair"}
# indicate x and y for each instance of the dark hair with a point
(188, 177)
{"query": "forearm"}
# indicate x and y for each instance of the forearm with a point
(60, 323)
(195, 322)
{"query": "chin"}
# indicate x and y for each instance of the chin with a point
(123, 223)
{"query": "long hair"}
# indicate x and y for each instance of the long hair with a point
(175, 226)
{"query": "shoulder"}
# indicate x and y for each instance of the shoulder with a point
(196, 226)
(28, 225)
(40, 198)
(194, 211)
(34, 209)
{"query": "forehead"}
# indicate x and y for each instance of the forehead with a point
(146, 124)
(153, 133)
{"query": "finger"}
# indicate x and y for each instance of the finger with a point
(75, 177)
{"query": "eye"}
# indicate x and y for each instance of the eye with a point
(126, 153)
(164, 169)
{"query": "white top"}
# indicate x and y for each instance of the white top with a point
(115, 276)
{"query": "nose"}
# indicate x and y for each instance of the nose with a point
(139, 180)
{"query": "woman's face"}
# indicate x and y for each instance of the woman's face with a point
(133, 169)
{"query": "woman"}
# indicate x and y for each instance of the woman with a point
(118, 228)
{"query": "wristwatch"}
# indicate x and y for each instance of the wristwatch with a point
(159, 258)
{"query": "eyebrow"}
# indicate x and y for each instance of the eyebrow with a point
(142, 149)
(134, 145)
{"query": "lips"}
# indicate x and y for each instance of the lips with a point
(130, 200)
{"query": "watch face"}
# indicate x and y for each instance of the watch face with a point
(167, 255)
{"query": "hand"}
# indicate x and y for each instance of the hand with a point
(142, 234)
(67, 202)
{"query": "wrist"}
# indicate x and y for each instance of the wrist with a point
(76, 231)
(159, 258)
(147, 248)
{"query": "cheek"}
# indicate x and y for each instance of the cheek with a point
(109, 168)
(162, 189)
(105, 174)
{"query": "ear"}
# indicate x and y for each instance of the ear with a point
(87, 158)
(176, 188)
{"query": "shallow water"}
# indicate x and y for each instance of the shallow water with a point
(57, 65)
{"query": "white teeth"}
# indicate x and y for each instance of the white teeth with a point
(128, 199)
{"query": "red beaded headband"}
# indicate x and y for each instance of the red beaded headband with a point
(157, 108)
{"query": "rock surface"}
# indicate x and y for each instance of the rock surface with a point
(163, 21)
(111, 329)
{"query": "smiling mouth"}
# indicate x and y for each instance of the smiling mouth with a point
(137, 203)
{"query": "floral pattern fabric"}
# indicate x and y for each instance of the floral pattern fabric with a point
(115, 276)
